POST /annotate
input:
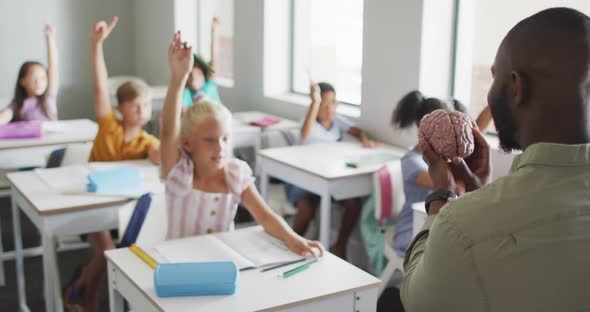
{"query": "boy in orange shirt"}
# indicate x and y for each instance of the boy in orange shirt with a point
(116, 140)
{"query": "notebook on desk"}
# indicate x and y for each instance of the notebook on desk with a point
(248, 248)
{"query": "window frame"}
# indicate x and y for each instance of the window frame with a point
(491, 131)
(292, 16)
(222, 80)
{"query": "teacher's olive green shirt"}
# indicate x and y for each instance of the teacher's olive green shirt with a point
(521, 243)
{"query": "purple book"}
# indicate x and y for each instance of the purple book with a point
(21, 130)
(266, 121)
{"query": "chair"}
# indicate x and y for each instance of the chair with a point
(114, 82)
(76, 154)
(73, 154)
(136, 221)
(55, 158)
(154, 227)
(277, 198)
(389, 201)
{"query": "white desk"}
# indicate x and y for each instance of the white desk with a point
(246, 135)
(331, 284)
(54, 213)
(20, 153)
(56, 133)
(321, 169)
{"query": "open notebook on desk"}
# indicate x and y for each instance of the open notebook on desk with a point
(247, 248)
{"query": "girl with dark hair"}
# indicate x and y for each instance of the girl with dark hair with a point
(36, 88)
(417, 184)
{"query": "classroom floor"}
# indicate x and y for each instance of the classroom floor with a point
(34, 267)
(71, 259)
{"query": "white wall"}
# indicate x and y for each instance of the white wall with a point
(492, 28)
(437, 47)
(154, 27)
(186, 23)
(391, 63)
(22, 39)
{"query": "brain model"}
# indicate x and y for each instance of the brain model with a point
(449, 133)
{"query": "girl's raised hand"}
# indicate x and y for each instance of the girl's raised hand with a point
(180, 57)
(102, 30)
(314, 92)
(49, 29)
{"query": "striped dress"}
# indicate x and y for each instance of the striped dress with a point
(194, 212)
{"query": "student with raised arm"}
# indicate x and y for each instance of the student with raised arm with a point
(35, 94)
(116, 140)
(204, 183)
(119, 139)
(323, 125)
(201, 81)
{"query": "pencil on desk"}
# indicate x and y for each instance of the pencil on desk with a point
(297, 269)
(144, 256)
(283, 265)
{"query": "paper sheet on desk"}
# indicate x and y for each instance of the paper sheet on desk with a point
(65, 179)
(72, 180)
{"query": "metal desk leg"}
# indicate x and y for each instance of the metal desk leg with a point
(325, 206)
(18, 248)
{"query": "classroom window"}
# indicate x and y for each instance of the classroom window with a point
(482, 24)
(327, 46)
(224, 11)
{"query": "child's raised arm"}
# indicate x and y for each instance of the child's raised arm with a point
(52, 60)
(180, 62)
(102, 102)
(312, 112)
(214, 27)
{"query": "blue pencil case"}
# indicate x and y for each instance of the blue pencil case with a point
(196, 279)
(114, 180)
